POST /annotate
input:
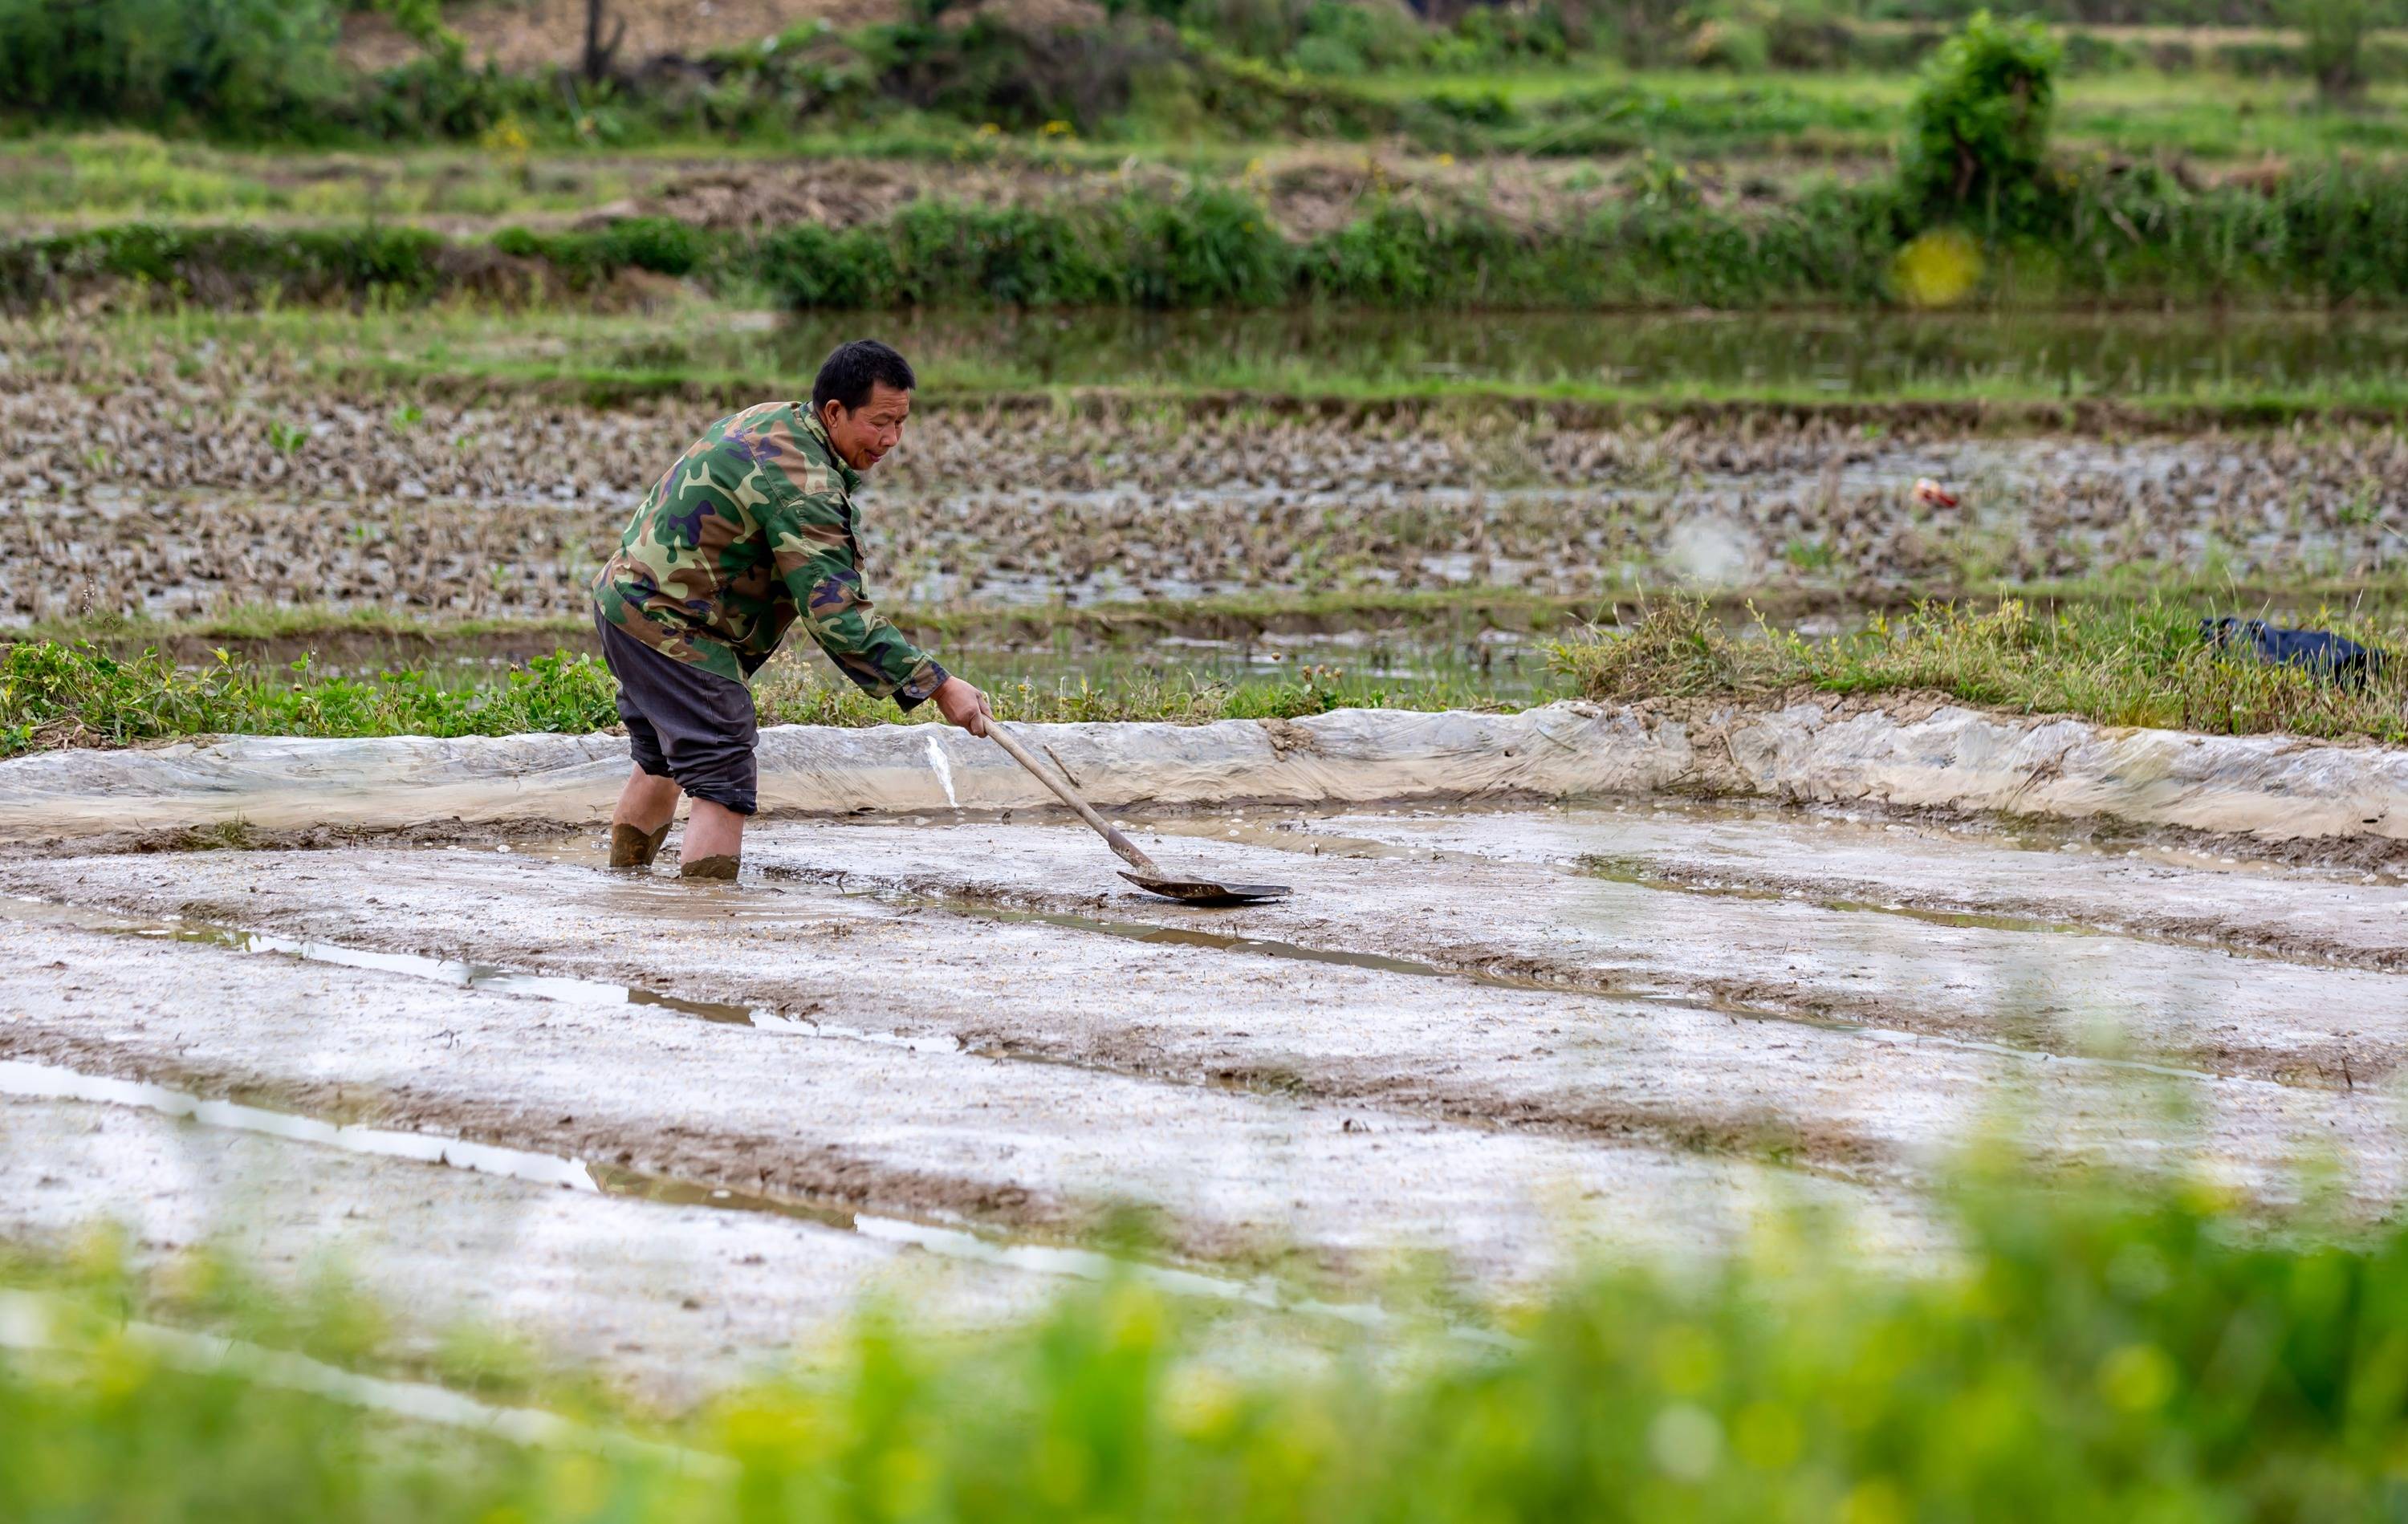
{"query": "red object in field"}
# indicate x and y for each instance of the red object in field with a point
(1930, 491)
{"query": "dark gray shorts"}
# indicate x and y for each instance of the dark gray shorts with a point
(683, 722)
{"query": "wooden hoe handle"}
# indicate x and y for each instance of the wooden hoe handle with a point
(1125, 847)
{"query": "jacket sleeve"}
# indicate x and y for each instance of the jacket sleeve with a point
(812, 547)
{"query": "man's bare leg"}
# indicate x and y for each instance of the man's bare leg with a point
(714, 841)
(637, 827)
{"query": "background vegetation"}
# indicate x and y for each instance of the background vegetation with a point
(1975, 133)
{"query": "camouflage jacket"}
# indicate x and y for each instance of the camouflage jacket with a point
(753, 525)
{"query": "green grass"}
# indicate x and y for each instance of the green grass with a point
(2085, 1352)
(2237, 368)
(2100, 237)
(2142, 663)
(1598, 106)
(55, 695)
(2118, 661)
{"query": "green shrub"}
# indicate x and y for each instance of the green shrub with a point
(1209, 246)
(660, 244)
(807, 265)
(254, 68)
(1340, 38)
(2334, 44)
(1977, 134)
(1011, 256)
(229, 263)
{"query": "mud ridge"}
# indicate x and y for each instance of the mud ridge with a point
(1442, 1096)
(808, 1178)
(1913, 753)
(2214, 933)
(2333, 1066)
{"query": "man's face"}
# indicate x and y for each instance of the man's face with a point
(864, 434)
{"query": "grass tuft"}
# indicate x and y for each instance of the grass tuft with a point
(58, 695)
(2139, 663)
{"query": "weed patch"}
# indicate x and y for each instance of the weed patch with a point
(2140, 663)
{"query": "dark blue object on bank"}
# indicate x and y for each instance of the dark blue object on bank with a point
(2319, 651)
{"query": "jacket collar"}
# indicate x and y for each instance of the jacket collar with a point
(815, 429)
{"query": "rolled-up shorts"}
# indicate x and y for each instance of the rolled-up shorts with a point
(684, 724)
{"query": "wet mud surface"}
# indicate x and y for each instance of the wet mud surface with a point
(676, 1299)
(2051, 974)
(1496, 1037)
(775, 1109)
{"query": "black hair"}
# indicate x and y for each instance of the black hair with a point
(851, 369)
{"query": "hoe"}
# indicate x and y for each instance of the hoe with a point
(1148, 878)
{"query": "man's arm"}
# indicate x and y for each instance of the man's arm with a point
(813, 557)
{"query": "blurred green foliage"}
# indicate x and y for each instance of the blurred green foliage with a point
(262, 67)
(2126, 235)
(1977, 139)
(2074, 1352)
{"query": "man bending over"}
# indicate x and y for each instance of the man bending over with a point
(751, 527)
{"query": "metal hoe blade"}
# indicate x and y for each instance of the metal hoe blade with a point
(1194, 892)
(1148, 878)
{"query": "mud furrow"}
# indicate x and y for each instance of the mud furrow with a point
(2049, 877)
(1021, 1146)
(677, 1299)
(1528, 920)
(1527, 1058)
(1510, 1062)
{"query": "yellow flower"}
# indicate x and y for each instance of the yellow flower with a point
(1940, 268)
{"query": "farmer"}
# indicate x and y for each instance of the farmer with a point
(753, 526)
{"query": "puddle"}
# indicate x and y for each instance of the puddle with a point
(45, 1082)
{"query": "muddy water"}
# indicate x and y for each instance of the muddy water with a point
(2053, 974)
(2029, 874)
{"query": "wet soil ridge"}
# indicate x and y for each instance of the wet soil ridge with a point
(1912, 753)
(860, 1126)
(1275, 1070)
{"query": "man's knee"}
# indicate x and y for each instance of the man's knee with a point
(726, 774)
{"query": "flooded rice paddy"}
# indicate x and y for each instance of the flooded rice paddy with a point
(249, 481)
(1482, 1042)
(947, 1057)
